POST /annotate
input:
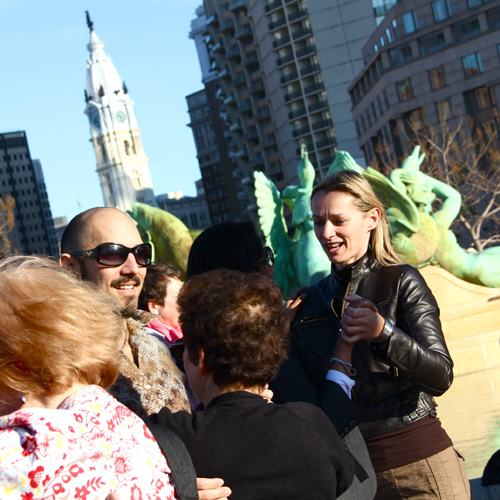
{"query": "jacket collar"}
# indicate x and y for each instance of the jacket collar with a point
(355, 272)
(237, 398)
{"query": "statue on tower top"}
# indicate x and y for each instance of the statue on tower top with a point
(90, 24)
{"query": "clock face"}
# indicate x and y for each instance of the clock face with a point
(121, 116)
(96, 122)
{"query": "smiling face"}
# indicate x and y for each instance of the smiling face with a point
(124, 283)
(342, 229)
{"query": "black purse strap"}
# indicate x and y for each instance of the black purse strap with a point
(178, 459)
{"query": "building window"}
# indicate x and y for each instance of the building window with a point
(400, 55)
(443, 109)
(493, 17)
(437, 78)
(472, 65)
(395, 28)
(405, 89)
(126, 145)
(441, 10)
(386, 99)
(379, 104)
(388, 35)
(485, 97)
(431, 43)
(410, 22)
(466, 29)
(490, 128)
(416, 119)
(475, 3)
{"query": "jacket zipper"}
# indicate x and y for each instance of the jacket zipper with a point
(343, 303)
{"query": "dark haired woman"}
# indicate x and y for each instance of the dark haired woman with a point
(399, 361)
(235, 331)
(230, 245)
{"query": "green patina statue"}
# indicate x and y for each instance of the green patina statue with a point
(422, 236)
(300, 260)
(170, 237)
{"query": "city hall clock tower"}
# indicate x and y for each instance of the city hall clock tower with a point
(122, 165)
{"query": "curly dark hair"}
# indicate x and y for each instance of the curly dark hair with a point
(239, 321)
(155, 285)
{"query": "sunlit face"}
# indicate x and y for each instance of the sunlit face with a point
(342, 229)
(124, 282)
(169, 311)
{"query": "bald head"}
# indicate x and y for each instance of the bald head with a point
(84, 230)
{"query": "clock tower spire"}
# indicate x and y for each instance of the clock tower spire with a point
(122, 165)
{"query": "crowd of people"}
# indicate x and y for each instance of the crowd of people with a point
(123, 379)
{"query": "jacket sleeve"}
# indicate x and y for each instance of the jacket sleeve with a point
(419, 352)
(295, 383)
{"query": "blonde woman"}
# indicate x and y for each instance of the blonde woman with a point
(376, 320)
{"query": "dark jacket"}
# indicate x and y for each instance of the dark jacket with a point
(395, 383)
(264, 451)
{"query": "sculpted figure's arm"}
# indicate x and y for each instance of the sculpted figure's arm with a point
(416, 346)
(452, 201)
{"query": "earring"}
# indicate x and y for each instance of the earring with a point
(23, 399)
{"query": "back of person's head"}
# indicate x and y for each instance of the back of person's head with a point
(230, 245)
(239, 322)
(365, 199)
(55, 329)
(158, 277)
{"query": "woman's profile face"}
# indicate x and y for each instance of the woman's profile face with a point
(342, 229)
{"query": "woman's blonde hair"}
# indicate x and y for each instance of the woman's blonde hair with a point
(55, 329)
(365, 199)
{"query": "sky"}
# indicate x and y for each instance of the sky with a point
(43, 67)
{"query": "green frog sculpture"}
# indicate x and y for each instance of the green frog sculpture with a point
(423, 236)
(300, 260)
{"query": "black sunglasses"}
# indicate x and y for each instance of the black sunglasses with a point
(177, 348)
(114, 254)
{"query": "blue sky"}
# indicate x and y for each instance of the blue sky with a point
(43, 71)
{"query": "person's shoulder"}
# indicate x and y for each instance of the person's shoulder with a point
(401, 270)
(306, 411)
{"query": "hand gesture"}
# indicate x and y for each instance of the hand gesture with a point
(360, 320)
(294, 302)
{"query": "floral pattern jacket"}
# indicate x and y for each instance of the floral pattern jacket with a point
(89, 446)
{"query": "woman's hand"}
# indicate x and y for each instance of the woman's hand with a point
(360, 320)
(294, 302)
(212, 489)
(208, 489)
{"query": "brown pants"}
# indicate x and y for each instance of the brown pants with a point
(441, 476)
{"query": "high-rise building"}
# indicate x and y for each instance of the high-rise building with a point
(284, 68)
(22, 178)
(122, 165)
(192, 210)
(427, 59)
(211, 136)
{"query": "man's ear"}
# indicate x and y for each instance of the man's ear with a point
(69, 262)
(203, 368)
(153, 307)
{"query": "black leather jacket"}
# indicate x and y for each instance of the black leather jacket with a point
(394, 383)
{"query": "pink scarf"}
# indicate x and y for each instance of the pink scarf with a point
(170, 333)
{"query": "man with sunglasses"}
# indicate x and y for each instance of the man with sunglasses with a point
(103, 245)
